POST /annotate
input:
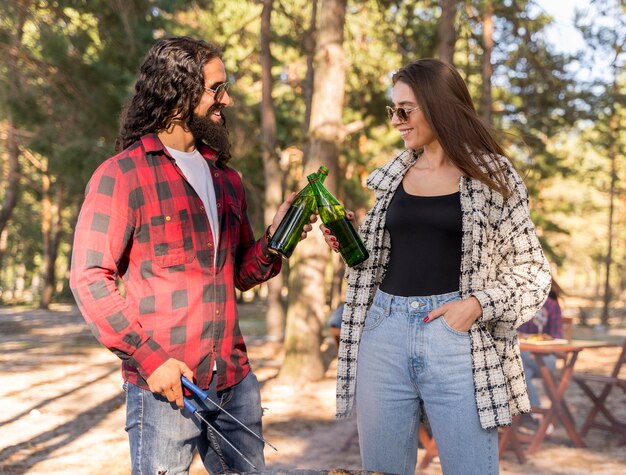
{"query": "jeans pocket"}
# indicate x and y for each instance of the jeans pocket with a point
(375, 316)
(225, 397)
(447, 326)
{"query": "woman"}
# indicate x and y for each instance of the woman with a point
(455, 267)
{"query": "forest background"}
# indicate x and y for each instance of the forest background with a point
(311, 81)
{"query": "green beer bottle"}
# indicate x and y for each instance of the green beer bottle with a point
(334, 218)
(289, 231)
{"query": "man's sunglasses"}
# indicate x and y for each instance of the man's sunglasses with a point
(219, 91)
(403, 113)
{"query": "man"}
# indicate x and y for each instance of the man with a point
(169, 216)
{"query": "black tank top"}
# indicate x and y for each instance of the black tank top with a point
(426, 234)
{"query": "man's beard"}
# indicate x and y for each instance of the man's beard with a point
(212, 133)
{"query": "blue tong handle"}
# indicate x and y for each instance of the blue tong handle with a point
(205, 397)
(189, 406)
(194, 389)
(195, 411)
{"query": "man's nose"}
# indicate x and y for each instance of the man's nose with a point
(227, 100)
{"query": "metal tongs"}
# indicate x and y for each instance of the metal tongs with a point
(195, 411)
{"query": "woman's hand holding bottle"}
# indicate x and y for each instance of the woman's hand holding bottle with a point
(331, 240)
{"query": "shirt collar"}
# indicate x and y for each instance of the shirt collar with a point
(152, 143)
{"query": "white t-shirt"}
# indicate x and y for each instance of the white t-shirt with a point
(196, 171)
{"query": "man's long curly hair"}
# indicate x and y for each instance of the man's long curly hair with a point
(169, 85)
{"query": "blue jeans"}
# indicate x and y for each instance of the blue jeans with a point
(403, 361)
(531, 371)
(163, 438)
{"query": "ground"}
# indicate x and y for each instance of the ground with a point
(62, 408)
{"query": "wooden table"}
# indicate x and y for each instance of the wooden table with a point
(555, 388)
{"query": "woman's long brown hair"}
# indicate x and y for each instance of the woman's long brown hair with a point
(445, 101)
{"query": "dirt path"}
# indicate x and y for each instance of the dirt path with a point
(62, 409)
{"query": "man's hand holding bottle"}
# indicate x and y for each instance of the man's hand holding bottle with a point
(282, 211)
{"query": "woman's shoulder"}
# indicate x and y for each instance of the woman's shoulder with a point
(382, 177)
(494, 164)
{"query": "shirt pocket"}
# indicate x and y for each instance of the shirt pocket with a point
(172, 241)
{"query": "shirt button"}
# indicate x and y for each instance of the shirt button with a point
(202, 208)
(210, 244)
(168, 218)
(215, 175)
(217, 312)
(415, 304)
(218, 205)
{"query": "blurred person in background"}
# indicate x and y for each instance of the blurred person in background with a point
(334, 323)
(546, 324)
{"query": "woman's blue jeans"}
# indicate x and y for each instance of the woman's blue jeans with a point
(403, 361)
(163, 438)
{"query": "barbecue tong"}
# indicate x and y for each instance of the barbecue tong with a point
(195, 411)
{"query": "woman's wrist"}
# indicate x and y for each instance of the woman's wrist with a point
(478, 309)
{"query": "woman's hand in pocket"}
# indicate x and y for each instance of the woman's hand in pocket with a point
(460, 315)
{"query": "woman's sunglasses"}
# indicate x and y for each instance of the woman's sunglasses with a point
(403, 114)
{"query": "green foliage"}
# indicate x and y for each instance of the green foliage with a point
(75, 65)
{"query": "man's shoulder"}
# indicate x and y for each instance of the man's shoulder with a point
(123, 161)
(121, 168)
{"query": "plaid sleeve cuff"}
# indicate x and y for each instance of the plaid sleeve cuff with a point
(149, 356)
(265, 256)
(488, 301)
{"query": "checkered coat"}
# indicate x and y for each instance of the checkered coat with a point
(502, 265)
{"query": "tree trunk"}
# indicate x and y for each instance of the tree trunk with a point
(309, 50)
(487, 68)
(446, 35)
(52, 204)
(271, 168)
(10, 179)
(606, 300)
(305, 317)
(613, 151)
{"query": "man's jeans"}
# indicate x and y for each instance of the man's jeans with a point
(163, 438)
(403, 360)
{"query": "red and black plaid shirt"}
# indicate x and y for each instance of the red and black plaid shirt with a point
(143, 221)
